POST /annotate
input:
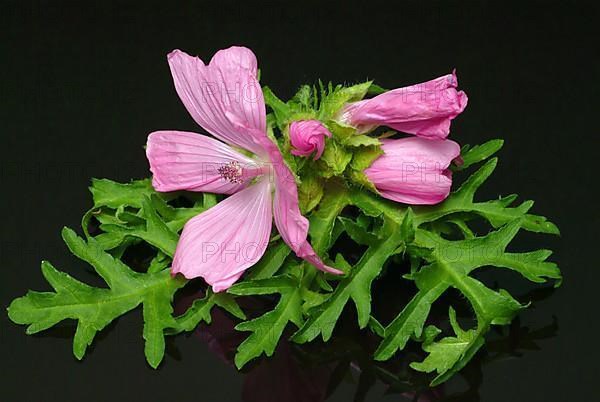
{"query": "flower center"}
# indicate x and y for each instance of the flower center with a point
(234, 172)
(231, 171)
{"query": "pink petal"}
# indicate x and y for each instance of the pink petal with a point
(221, 243)
(292, 226)
(227, 86)
(188, 161)
(308, 136)
(424, 109)
(414, 170)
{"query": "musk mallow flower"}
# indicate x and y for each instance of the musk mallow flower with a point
(225, 98)
(414, 170)
(308, 136)
(424, 109)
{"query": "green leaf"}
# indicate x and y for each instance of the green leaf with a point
(94, 308)
(158, 263)
(408, 227)
(200, 311)
(323, 219)
(334, 160)
(362, 158)
(450, 354)
(115, 195)
(375, 89)
(154, 230)
(347, 136)
(281, 110)
(497, 212)
(310, 192)
(115, 206)
(266, 286)
(376, 327)
(374, 206)
(268, 328)
(358, 233)
(451, 262)
(336, 98)
(175, 218)
(362, 140)
(479, 153)
(271, 262)
(448, 264)
(303, 98)
(128, 214)
(357, 286)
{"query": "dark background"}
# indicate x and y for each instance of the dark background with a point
(82, 86)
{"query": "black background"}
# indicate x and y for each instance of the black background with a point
(82, 86)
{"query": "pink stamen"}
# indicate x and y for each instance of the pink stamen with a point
(231, 171)
(235, 173)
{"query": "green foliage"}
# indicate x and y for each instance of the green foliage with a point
(437, 248)
(334, 160)
(310, 192)
(334, 98)
(479, 153)
(128, 214)
(450, 354)
(95, 308)
(268, 328)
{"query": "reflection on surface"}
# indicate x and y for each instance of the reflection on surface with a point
(314, 372)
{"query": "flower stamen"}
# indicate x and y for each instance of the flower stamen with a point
(231, 171)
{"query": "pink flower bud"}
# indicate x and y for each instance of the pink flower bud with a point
(414, 170)
(308, 136)
(424, 109)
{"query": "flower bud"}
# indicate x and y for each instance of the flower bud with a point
(308, 136)
(414, 170)
(424, 109)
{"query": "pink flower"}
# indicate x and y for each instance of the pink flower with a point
(414, 170)
(424, 109)
(308, 136)
(225, 98)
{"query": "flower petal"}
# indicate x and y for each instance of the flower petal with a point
(292, 226)
(221, 243)
(228, 85)
(182, 160)
(414, 170)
